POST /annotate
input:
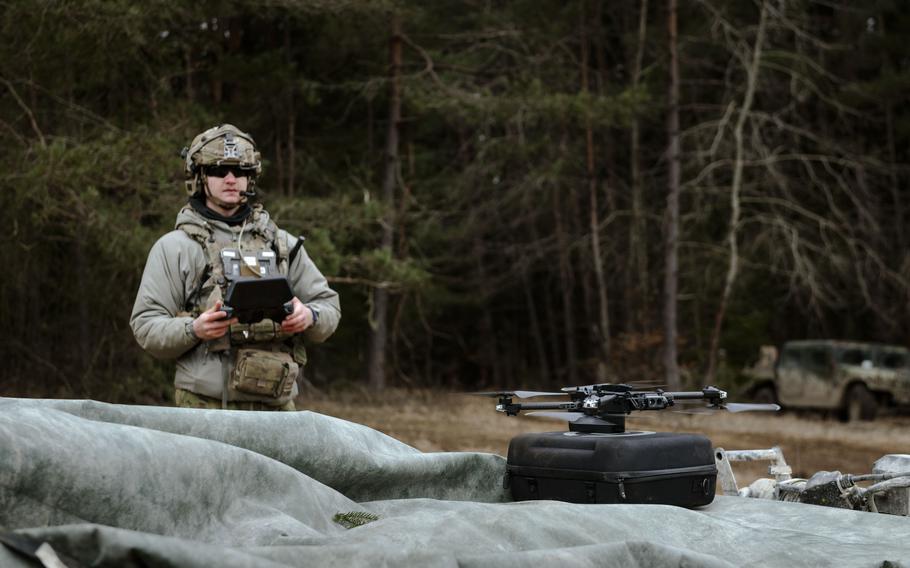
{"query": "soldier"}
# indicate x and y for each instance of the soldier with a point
(178, 314)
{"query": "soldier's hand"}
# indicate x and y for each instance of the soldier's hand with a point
(300, 319)
(212, 323)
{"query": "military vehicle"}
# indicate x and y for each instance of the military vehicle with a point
(854, 379)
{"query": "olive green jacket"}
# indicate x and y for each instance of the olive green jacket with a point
(173, 268)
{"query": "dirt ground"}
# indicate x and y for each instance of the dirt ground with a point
(434, 421)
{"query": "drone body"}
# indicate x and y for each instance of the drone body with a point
(598, 461)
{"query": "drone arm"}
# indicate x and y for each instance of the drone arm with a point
(712, 394)
(514, 408)
(687, 395)
(546, 406)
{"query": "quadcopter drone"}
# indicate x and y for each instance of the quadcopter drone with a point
(602, 408)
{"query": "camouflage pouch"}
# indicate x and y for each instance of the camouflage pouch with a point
(260, 332)
(264, 373)
(299, 350)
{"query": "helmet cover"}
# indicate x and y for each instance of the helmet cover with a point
(220, 145)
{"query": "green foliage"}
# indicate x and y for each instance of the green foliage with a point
(85, 213)
(354, 519)
(744, 333)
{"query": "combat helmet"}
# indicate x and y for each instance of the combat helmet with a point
(220, 145)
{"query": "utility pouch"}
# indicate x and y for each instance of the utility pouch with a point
(264, 373)
(299, 350)
(260, 332)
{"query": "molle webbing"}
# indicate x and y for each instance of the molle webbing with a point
(211, 284)
(213, 267)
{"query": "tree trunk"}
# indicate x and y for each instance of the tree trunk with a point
(80, 260)
(543, 365)
(637, 290)
(602, 325)
(671, 231)
(565, 284)
(291, 119)
(489, 351)
(279, 159)
(378, 323)
(609, 181)
(189, 65)
(291, 149)
(752, 70)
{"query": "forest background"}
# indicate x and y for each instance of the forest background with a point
(524, 193)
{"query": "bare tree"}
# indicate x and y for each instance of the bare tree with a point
(752, 66)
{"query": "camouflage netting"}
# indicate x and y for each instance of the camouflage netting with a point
(111, 485)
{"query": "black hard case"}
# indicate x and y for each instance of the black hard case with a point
(648, 467)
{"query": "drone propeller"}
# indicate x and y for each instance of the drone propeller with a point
(598, 387)
(750, 407)
(517, 393)
(572, 416)
(591, 387)
(729, 407)
(698, 410)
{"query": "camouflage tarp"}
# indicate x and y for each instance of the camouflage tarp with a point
(111, 485)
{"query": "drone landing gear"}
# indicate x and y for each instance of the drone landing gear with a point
(595, 425)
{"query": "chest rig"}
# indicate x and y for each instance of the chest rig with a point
(260, 361)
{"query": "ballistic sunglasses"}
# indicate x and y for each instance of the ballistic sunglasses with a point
(222, 171)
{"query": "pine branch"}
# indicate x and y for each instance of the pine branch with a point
(354, 519)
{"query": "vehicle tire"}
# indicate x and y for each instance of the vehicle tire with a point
(860, 404)
(765, 395)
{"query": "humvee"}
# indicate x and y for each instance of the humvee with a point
(854, 379)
